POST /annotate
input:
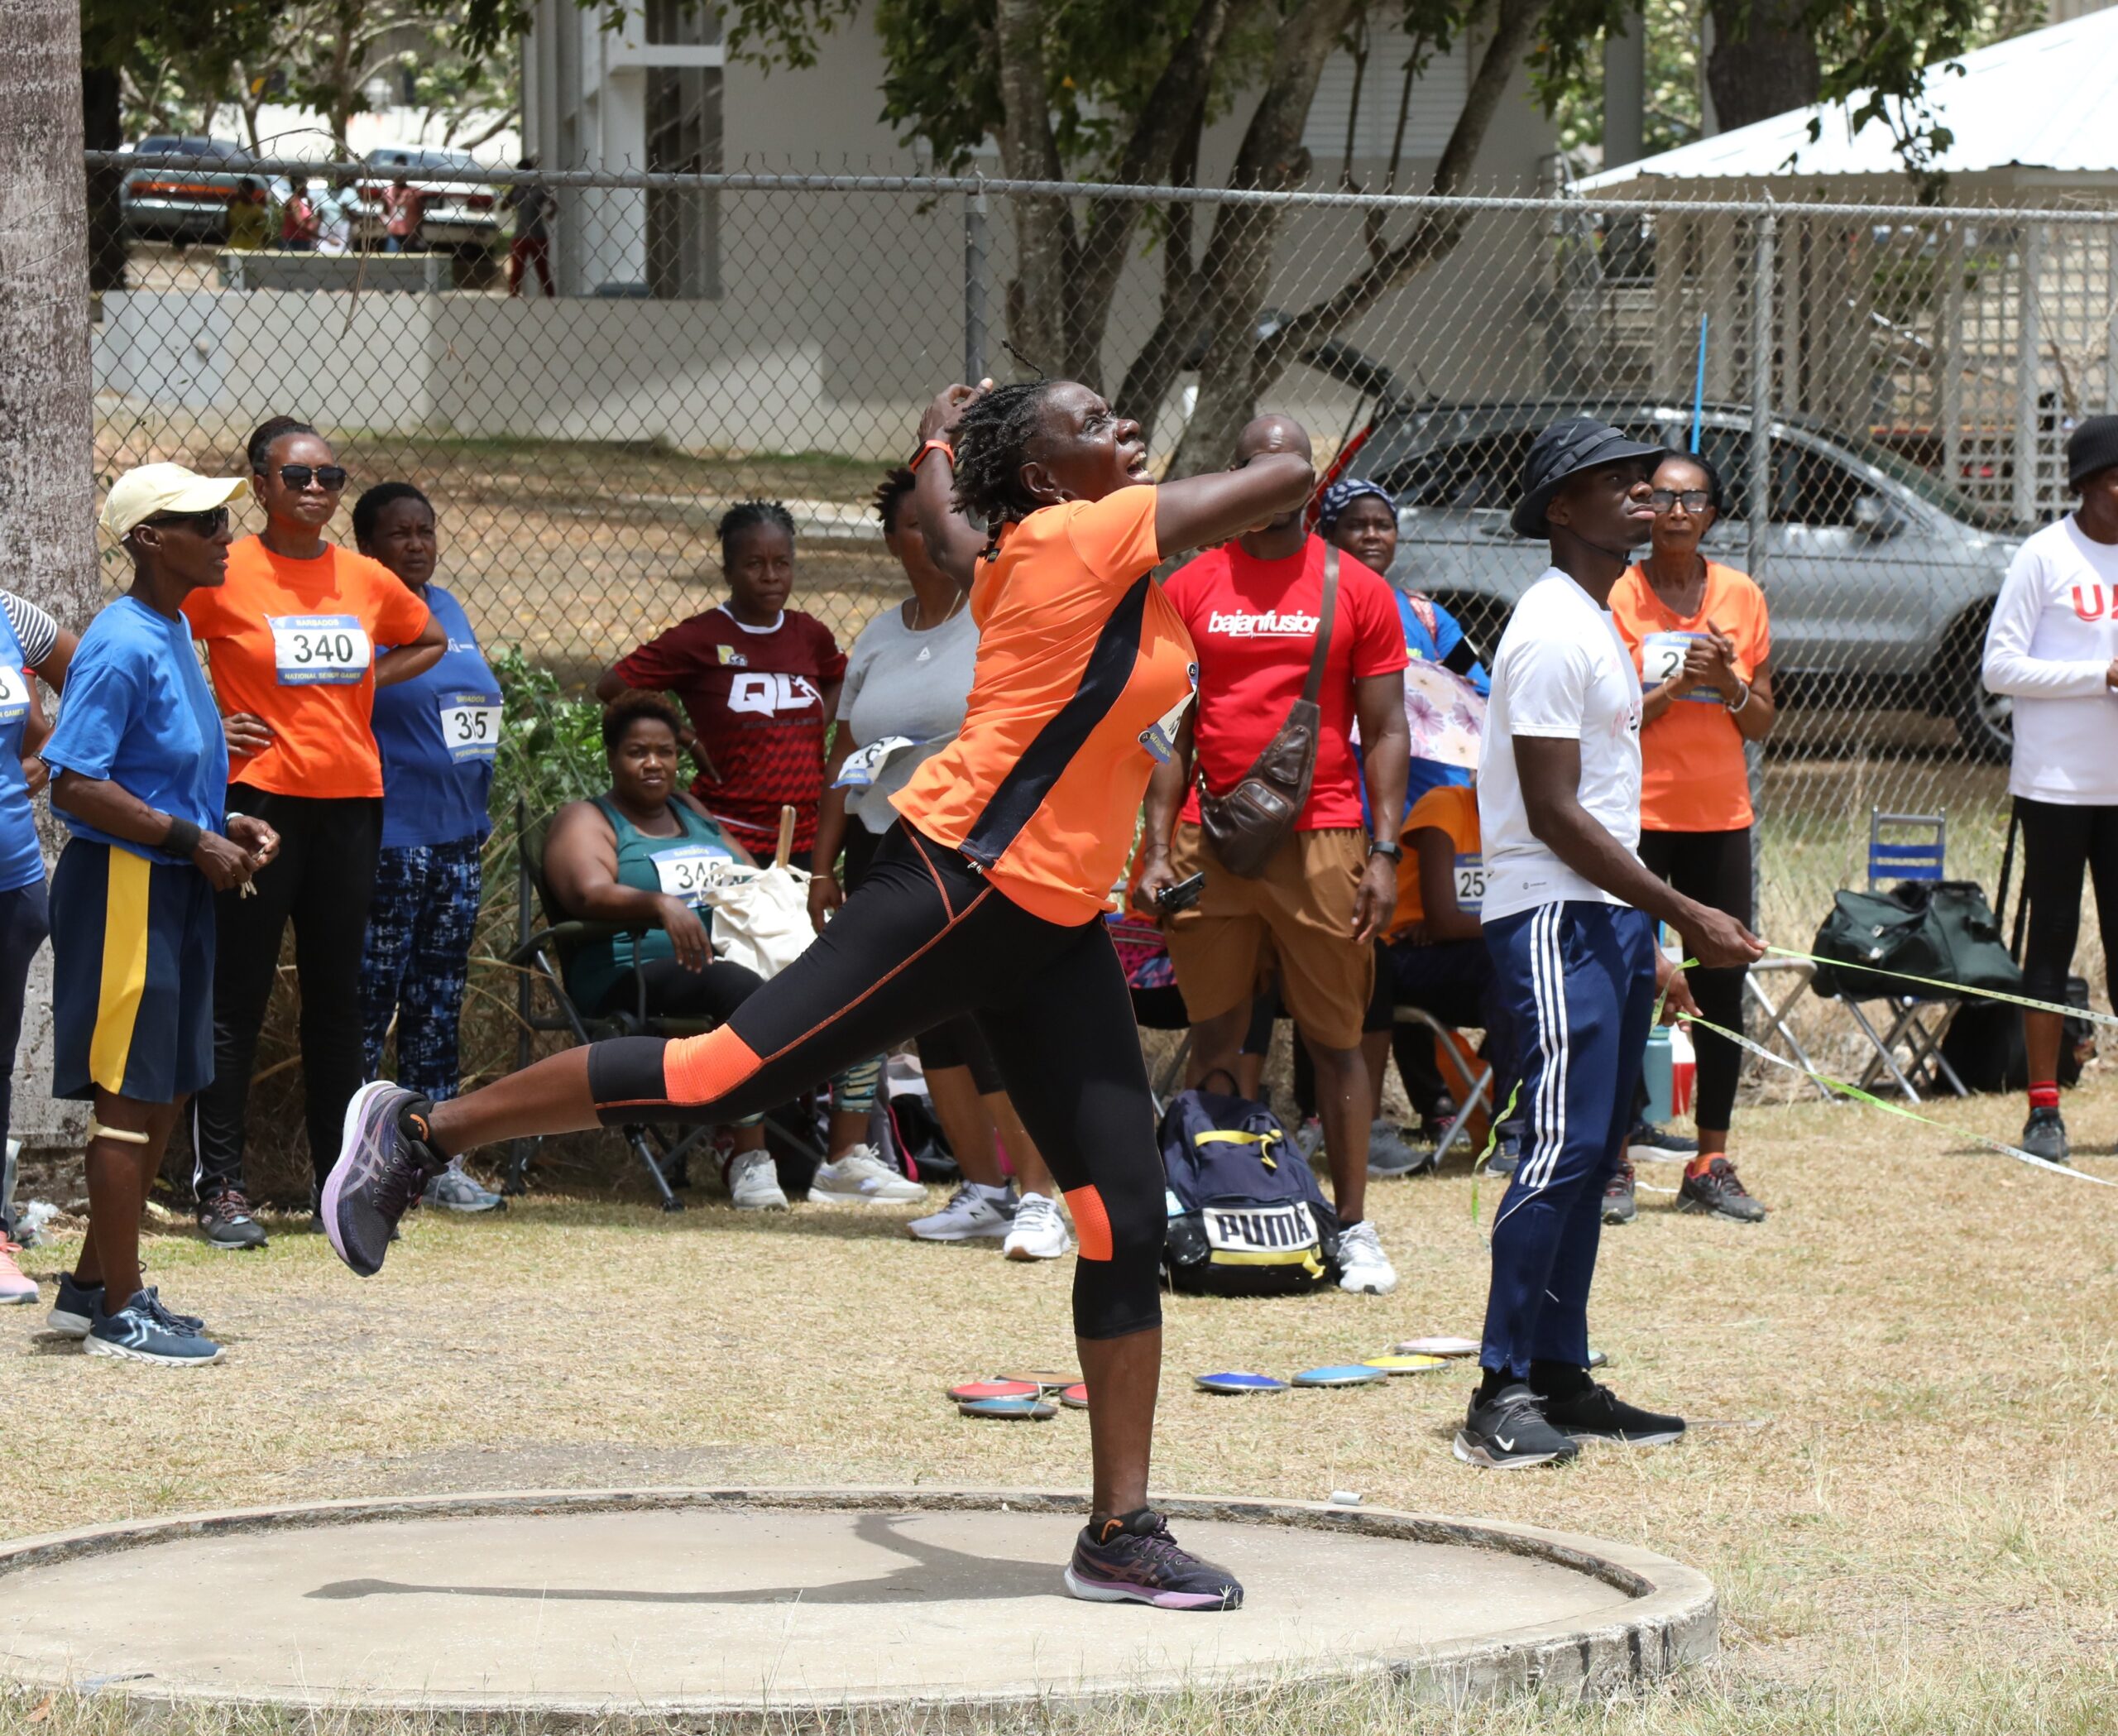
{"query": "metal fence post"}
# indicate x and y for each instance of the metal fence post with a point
(1758, 488)
(2029, 342)
(974, 287)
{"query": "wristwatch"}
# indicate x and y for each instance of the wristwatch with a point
(1386, 847)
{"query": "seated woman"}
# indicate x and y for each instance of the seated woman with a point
(632, 856)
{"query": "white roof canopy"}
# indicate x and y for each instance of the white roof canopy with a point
(2041, 101)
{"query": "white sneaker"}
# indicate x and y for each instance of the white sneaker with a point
(861, 1179)
(1040, 1233)
(971, 1212)
(1364, 1267)
(754, 1182)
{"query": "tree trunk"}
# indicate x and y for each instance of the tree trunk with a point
(103, 128)
(1044, 238)
(47, 481)
(1764, 60)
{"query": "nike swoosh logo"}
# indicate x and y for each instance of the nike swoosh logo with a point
(1504, 1444)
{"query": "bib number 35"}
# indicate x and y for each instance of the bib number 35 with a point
(470, 725)
(319, 651)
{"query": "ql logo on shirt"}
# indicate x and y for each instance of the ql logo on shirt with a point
(767, 695)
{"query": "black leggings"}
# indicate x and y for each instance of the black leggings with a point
(2059, 843)
(1714, 868)
(924, 939)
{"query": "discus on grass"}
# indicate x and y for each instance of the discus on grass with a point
(1239, 1383)
(1075, 1397)
(1340, 1374)
(993, 1389)
(1051, 1380)
(1012, 1410)
(1402, 1364)
(1436, 1347)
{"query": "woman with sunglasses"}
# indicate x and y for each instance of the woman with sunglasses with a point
(1699, 632)
(290, 642)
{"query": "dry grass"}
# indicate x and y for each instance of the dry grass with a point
(1900, 1474)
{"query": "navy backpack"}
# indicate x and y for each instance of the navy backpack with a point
(1246, 1216)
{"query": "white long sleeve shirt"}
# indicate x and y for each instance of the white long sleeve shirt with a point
(2049, 646)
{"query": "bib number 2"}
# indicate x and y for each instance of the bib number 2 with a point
(319, 651)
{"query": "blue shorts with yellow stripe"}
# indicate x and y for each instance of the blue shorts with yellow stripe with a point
(132, 975)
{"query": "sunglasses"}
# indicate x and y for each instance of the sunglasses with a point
(329, 477)
(210, 523)
(1692, 500)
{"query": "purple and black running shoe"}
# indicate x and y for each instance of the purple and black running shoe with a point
(1135, 1560)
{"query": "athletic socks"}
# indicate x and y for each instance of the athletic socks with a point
(2044, 1094)
(413, 1123)
(1558, 1379)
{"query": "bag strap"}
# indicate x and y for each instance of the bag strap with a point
(1325, 612)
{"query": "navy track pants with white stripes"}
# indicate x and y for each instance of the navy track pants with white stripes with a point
(1578, 979)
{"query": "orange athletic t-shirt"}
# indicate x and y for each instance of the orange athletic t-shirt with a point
(1083, 673)
(1693, 775)
(1453, 808)
(293, 641)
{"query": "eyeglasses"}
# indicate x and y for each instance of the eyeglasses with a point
(1692, 500)
(210, 523)
(329, 477)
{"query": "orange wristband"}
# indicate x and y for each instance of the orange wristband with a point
(927, 446)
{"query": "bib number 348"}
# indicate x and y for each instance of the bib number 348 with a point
(319, 651)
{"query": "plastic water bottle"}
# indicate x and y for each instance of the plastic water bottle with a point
(1658, 1071)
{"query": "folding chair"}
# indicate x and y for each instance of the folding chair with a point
(1919, 858)
(1477, 1091)
(540, 956)
(1776, 1012)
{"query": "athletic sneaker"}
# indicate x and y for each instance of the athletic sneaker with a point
(1389, 1155)
(1506, 1150)
(1135, 1560)
(1509, 1432)
(1364, 1267)
(382, 1170)
(1650, 1144)
(862, 1178)
(1717, 1191)
(2044, 1135)
(972, 1213)
(1309, 1139)
(142, 1331)
(74, 1309)
(1619, 1206)
(224, 1215)
(458, 1192)
(1593, 1412)
(754, 1182)
(17, 1287)
(1039, 1232)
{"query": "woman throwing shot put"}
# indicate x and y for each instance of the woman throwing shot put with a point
(987, 901)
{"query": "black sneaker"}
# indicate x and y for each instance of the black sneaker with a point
(1509, 1431)
(1594, 1412)
(1506, 1150)
(1650, 1144)
(1135, 1560)
(2044, 1135)
(1619, 1206)
(381, 1171)
(1718, 1192)
(224, 1215)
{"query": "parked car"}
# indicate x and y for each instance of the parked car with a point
(1881, 580)
(184, 205)
(459, 214)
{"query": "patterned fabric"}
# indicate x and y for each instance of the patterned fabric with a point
(418, 950)
(1342, 494)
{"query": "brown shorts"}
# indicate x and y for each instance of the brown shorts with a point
(1300, 912)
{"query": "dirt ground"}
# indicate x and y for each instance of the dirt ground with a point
(1899, 1472)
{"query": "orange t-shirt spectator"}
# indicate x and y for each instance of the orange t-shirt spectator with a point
(403, 207)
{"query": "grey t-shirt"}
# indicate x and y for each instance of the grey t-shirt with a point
(900, 682)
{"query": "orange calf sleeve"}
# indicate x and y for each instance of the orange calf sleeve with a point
(700, 1069)
(1091, 1222)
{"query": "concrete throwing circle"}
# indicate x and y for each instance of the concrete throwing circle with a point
(721, 1603)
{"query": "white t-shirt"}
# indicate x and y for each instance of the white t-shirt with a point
(1561, 671)
(2053, 633)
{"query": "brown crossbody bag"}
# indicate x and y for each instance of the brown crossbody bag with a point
(1247, 825)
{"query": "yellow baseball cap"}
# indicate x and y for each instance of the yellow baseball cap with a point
(153, 489)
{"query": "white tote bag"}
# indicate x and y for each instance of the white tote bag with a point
(761, 915)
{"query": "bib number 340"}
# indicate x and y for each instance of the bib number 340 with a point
(319, 651)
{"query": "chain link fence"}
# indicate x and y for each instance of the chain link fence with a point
(1886, 390)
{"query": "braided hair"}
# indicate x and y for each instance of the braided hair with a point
(891, 494)
(990, 438)
(747, 516)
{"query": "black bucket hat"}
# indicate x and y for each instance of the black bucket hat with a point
(2092, 447)
(1566, 449)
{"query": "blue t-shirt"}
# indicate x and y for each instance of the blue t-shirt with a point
(1433, 643)
(22, 863)
(438, 733)
(138, 712)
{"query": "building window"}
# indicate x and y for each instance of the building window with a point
(683, 137)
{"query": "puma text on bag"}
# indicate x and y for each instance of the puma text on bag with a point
(1246, 1216)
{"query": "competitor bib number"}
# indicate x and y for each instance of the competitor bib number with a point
(319, 651)
(1470, 882)
(862, 768)
(14, 695)
(690, 871)
(1160, 737)
(1662, 658)
(470, 725)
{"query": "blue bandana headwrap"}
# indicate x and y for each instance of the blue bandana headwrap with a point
(1342, 494)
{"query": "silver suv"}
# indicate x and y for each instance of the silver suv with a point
(1879, 580)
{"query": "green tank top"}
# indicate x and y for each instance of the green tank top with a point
(674, 865)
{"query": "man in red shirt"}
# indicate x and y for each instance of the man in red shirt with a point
(759, 681)
(1254, 608)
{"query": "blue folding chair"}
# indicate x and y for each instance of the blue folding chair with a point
(1918, 850)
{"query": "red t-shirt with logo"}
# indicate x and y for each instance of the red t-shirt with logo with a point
(1255, 623)
(756, 697)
